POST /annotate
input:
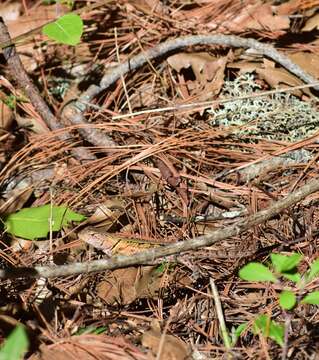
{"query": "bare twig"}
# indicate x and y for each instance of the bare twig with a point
(121, 261)
(286, 336)
(74, 111)
(22, 78)
(220, 315)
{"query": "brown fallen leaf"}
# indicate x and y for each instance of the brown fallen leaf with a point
(208, 71)
(10, 11)
(37, 17)
(312, 23)
(197, 61)
(6, 116)
(204, 65)
(18, 197)
(144, 96)
(290, 7)
(257, 17)
(244, 66)
(107, 213)
(36, 125)
(263, 18)
(151, 6)
(126, 285)
(90, 347)
(307, 61)
(173, 348)
(276, 77)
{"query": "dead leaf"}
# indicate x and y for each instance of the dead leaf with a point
(307, 61)
(144, 96)
(10, 11)
(244, 66)
(208, 71)
(36, 125)
(276, 77)
(203, 65)
(37, 17)
(126, 285)
(17, 198)
(151, 6)
(173, 348)
(312, 23)
(289, 7)
(90, 347)
(6, 116)
(119, 287)
(107, 213)
(257, 17)
(263, 18)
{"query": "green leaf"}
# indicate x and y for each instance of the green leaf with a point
(256, 272)
(269, 328)
(296, 277)
(287, 299)
(91, 330)
(161, 268)
(67, 29)
(33, 223)
(314, 270)
(236, 332)
(312, 298)
(15, 345)
(240, 329)
(262, 322)
(283, 263)
(277, 333)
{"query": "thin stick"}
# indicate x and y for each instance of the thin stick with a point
(286, 336)
(148, 256)
(220, 316)
(122, 76)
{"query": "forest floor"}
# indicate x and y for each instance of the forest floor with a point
(189, 161)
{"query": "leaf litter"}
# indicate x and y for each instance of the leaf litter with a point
(164, 177)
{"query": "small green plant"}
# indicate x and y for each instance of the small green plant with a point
(12, 100)
(67, 29)
(91, 330)
(15, 345)
(282, 267)
(33, 223)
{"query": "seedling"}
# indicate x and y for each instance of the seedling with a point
(15, 346)
(282, 267)
(12, 100)
(91, 330)
(33, 223)
(67, 29)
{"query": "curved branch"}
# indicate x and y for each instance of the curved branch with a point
(73, 112)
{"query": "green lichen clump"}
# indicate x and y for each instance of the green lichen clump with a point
(277, 117)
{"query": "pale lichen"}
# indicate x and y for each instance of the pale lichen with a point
(280, 116)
